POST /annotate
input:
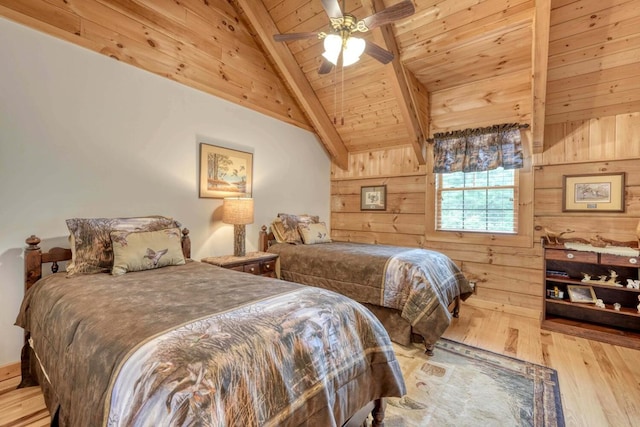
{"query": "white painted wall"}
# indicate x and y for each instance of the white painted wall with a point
(83, 135)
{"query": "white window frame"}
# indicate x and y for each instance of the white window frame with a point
(523, 238)
(439, 194)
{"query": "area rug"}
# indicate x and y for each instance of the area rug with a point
(463, 386)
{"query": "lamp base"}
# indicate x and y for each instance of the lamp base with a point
(239, 237)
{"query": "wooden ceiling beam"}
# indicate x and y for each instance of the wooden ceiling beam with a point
(540, 59)
(411, 94)
(265, 28)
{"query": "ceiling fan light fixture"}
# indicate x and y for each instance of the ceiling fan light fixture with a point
(353, 49)
(343, 25)
(332, 48)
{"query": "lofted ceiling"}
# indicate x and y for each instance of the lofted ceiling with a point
(454, 60)
(458, 63)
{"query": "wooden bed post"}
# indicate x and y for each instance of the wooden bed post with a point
(378, 412)
(186, 243)
(456, 307)
(32, 262)
(32, 273)
(263, 242)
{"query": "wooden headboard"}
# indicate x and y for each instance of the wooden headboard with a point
(34, 257)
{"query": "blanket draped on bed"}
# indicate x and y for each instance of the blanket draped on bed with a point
(419, 283)
(235, 348)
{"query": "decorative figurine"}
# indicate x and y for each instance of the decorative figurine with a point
(616, 306)
(633, 284)
(557, 293)
(638, 306)
(553, 236)
(612, 279)
(603, 280)
(600, 303)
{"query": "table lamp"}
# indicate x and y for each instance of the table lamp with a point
(239, 212)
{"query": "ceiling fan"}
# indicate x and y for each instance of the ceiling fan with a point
(339, 42)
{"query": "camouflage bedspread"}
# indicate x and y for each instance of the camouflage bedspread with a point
(200, 345)
(419, 283)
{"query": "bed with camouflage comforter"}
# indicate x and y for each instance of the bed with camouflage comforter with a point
(200, 345)
(409, 289)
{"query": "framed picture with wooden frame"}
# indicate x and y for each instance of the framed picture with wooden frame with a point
(593, 193)
(582, 294)
(373, 198)
(225, 172)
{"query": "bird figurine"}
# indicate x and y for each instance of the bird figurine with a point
(553, 236)
(597, 241)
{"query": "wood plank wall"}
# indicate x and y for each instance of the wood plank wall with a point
(605, 138)
(204, 45)
(509, 278)
(403, 221)
(594, 57)
(601, 145)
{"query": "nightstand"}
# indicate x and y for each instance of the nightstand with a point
(258, 263)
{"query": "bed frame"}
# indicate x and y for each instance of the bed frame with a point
(33, 260)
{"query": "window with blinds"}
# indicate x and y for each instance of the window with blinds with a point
(484, 201)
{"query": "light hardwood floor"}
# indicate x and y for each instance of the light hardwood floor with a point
(600, 383)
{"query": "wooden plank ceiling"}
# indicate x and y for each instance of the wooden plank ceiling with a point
(470, 63)
(471, 59)
(458, 63)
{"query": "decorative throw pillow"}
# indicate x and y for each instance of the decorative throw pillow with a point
(145, 250)
(90, 240)
(314, 233)
(278, 230)
(290, 226)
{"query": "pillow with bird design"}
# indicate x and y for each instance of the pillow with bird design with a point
(145, 250)
(289, 226)
(90, 241)
(313, 233)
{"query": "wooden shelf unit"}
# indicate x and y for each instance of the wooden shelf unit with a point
(586, 319)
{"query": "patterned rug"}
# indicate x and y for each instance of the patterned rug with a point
(463, 386)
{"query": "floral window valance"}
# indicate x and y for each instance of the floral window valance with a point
(475, 150)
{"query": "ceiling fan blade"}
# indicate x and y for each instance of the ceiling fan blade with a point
(293, 36)
(378, 53)
(392, 13)
(332, 7)
(325, 67)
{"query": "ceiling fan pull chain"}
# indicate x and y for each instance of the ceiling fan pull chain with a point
(335, 96)
(342, 97)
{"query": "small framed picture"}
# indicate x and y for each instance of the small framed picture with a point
(373, 198)
(582, 294)
(593, 193)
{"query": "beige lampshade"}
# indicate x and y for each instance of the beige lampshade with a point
(237, 210)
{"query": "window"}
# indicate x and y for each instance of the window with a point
(484, 201)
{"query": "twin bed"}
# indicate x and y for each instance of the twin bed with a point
(195, 344)
(188, 343)
(414, 292)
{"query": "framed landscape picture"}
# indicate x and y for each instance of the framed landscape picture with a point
(593, 193)
(225, 172)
